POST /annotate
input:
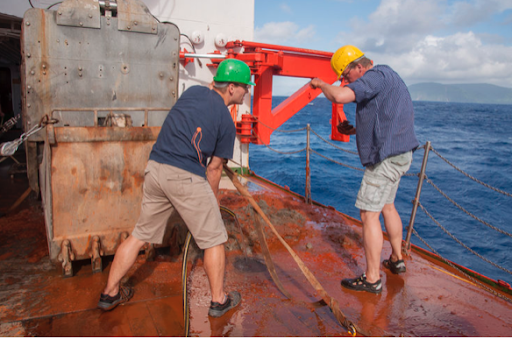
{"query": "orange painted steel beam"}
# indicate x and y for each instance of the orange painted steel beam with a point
(267, 61)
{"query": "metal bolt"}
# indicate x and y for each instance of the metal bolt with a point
(128, 27)
(81, 23)
(28, 55)
(29, 87)
(171, 78)
(135, 23)
(60, 13)
(79, 68)
(28, 105)
(32, 72)
(27, 23)
(90, 15)
(44, 73)
(161, 74)
(80, 74)
(44, 66)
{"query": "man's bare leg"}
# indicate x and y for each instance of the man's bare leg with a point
(214, 265)
(124, 259)
(393, 225)
(372, 240)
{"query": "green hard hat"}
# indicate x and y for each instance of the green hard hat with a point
(233, 71)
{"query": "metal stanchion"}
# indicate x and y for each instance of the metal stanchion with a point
(308, 171)
(416, 201)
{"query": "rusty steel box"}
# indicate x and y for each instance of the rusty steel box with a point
(84, 65)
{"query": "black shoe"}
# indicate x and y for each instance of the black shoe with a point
(360, 284)
(395, 267)
(108, 302)
(219, 309)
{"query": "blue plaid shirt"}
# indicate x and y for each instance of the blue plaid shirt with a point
(384, 115)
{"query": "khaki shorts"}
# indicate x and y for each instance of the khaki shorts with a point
(167, 188)
(380, 182)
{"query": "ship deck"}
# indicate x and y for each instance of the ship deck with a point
(430, 299)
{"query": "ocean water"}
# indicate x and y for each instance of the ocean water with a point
(475, 138)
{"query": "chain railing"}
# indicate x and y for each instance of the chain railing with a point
(422, 177)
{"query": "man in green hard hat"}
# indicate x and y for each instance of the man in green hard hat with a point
(178, 178)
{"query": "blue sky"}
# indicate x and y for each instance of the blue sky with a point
(444, 41)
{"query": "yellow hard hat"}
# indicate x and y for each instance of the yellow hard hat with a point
(344, 56)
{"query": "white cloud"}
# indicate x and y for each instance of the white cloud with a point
(284, 33)
(306, 34)
(467, 13)
(394, 27)
(407, 35)
(459, 58)
(285, 8)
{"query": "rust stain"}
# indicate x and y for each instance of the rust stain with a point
(410, 305)
(6, 256)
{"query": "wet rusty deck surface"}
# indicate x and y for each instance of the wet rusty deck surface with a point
(428, 300)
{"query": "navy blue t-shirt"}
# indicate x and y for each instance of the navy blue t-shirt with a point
(198, 126)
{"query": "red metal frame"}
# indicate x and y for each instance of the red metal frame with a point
(267, 61)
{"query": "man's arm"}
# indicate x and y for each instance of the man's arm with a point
(214, 172)
(336, 94)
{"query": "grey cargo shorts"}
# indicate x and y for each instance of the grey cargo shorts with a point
(380, 182)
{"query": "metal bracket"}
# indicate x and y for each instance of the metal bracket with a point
(149, 250)
(79, 13)
(134, 16)
(96, 254)
(66, 256)
(124, 235)
(50, 133)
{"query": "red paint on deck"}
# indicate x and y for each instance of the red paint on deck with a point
(35, 300)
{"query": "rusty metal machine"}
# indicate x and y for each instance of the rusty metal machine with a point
(98, 79)
(101, 77)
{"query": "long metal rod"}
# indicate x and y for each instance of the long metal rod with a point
(253, 44)
(416, 199)
(308, 170)
(209, 56)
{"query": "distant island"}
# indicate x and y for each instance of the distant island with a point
(461, 93)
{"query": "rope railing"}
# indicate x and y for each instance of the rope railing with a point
(422, 177)
(332, 144)
(462, 243)
(469, 176)
(282, 152)
(339, 163)
(429, 181)
(277, 130)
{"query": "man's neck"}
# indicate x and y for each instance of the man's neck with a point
(225, 95)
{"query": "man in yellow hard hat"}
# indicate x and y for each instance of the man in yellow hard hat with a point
(385, 140)
(179, 178)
